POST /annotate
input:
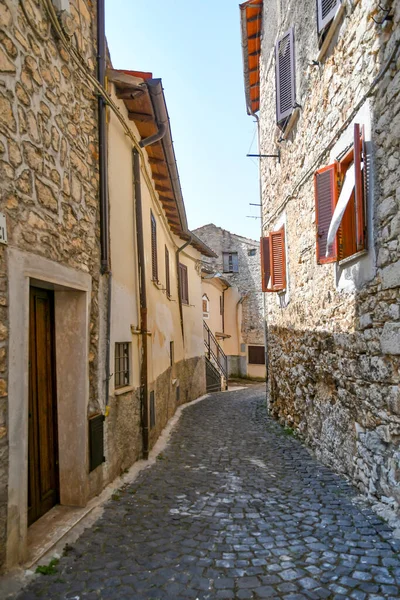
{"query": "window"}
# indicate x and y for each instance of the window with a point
(154, 261)
(171, 353)
(183, 284)
(206, 306)
(273, 261)
(340, 203)
(252, 252)
(230, 262)
(122, 371)
(167, 274)
(285, 78)
(221, 305)
(152, 410)
(256, 355)
(326, 11)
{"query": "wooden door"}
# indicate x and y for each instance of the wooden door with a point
(43, 484)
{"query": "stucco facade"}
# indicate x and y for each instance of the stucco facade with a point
(334, 331)
(239, 312)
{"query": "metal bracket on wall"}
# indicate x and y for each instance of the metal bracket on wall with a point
(278, 156)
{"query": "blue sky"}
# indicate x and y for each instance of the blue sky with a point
(195, 48)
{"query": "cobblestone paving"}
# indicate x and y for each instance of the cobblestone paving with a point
(234, 508)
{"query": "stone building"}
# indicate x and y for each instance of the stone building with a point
(323, 81)
(241, 309)
(100, 334)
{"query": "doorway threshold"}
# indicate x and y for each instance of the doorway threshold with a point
(49, 530)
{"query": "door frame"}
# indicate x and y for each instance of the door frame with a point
(72, 294)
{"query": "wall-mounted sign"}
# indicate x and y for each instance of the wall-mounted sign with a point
(3, 229)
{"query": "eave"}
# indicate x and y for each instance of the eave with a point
(251, 27)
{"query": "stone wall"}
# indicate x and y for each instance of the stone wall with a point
(334, 337)
(48, 163)
(247, 280)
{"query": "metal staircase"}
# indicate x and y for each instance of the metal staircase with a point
(216, 362)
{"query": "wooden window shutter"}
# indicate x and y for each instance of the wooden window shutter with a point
(235, 263)
(326, 10)
(360, 177)
(326, 191)
(265, 263)
(285, 76)
(277, 260)
(167, 273)
(225, 259)
(183, 284)
(154, 261)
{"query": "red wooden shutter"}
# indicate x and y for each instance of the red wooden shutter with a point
(265, 264)
(325, 186)
(326, 10)
(359, 186)
(285, 76)
(277, 260)
(167, 275)
(154, 261)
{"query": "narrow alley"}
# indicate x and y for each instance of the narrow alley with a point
(235, 507)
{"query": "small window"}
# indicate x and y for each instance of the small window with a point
(326, 11)
(221, 305)
(256, 355)
(340, 204)
(273, 261)
(122, 372)
(154, 258)
(183, 284)
(171, 353)
(167, 274)
(152, 410)
(230, 262)
(206, 306)
(285, 78)
(178, 393)
(252, 252)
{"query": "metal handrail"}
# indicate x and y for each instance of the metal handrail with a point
(214, 351)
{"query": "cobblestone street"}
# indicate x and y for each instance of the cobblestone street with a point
(235, 507)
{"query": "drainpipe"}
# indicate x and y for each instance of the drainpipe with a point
(103, 182)
(179, 250)
(162, 130)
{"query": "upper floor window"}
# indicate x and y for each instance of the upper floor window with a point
(122, 369)
(340, 203)
(251, 252)
(154, 258)
(183, 284)
(167, 274)
(273, 261)
(230, 262)
(326, 11)
(285, 78)
(206, 306)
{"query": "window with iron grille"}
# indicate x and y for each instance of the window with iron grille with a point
(122, 371)
(154, 259)
(167, 274)
(183, 284)
(256, 355)
(230, 262)
(152, 410)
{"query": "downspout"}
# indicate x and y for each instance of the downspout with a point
(103, 183)
(142, 287)
(179, 250)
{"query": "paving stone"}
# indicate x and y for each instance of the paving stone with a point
(207, 523)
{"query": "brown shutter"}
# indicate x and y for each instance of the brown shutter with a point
(183, 283)
(265, 264)
(154, 261)
(326, 10)
(277, 260)
(325, 187)
(256, 355)
(167, 275)
(359, 151)
(285, 76)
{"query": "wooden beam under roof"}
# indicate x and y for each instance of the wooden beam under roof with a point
(160, 176)
(156, 161)
(128, 93)
(141, 117)
(166, 199)
(162, 188)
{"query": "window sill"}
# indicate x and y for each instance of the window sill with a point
(123, 390)
(353, 258)
(291, 123)
(157, 284)
(331, 32)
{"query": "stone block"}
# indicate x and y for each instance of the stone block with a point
(390, 338)
(391, 276)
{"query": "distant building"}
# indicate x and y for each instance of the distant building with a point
(232, 298)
